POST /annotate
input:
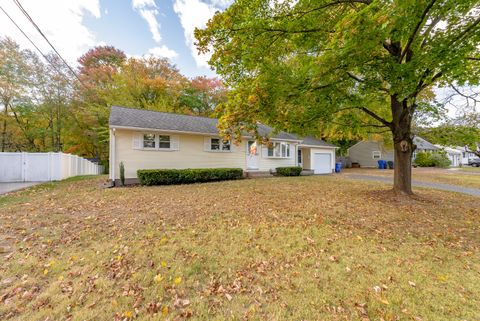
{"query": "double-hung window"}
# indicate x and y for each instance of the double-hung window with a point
(157, 142)
(220, 145)
(149, 141)
(278, 150)
(164, 141)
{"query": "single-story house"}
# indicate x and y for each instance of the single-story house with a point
(467, 156)
(368, 153)
(453, 154)
(144, 139)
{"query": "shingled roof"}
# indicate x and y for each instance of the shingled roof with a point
(310, 141)
(423, 144)
(148, 119)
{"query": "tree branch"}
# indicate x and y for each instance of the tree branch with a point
(375, 116)
(429, 29)
(363, 81)
(415, 30)
(333, 3)
(466, 31)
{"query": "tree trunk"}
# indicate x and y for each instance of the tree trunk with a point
(402, 173)
(4, 134)
(4, 130)
(403, 146)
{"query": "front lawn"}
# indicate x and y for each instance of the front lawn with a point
(302, 248)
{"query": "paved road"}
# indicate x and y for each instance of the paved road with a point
(10, 187)
(444, 187)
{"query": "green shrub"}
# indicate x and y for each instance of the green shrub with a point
(289, 171)
(436, 159)
(440, 159)
(187, 176)
(122, 173)
(423, 160)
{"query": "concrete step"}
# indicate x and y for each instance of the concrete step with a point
(257, 174)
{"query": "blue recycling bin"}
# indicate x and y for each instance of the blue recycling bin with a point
(338, 167)
(382, 164)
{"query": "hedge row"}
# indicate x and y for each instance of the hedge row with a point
(187, 176)
(289, 171)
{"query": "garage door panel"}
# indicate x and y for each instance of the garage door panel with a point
(322, 163)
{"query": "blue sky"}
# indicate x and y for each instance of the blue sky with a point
(138, 27)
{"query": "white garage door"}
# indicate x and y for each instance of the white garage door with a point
(322, 163)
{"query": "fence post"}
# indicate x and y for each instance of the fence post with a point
(24, 166)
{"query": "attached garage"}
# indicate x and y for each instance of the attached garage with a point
(316, 156)
(322, 163)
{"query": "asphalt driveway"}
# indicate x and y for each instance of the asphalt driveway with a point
(419, 183)
(11, 187)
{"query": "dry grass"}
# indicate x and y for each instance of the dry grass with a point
(306, 248)
(466, 178)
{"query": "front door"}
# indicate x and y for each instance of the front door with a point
(252, 154)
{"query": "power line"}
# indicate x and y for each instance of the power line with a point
(33, 44)
(19, 5)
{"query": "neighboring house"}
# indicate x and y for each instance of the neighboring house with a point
(144, 139)
(466, 155)
(453, 154)
(367, 153)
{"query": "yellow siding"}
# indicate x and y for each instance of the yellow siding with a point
(191, 154)
(266, 164)
(307, 164)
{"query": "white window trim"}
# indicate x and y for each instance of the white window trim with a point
(221, 150)
(376, 152)
(288, 153)
(157, 143)
(154, 138)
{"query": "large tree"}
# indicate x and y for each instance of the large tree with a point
(202, 95)
(314, 66)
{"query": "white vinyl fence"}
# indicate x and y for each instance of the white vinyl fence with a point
(43, 167)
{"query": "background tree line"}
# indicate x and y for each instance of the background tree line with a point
(44, 107)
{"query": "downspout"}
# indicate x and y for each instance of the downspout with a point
(113, 150)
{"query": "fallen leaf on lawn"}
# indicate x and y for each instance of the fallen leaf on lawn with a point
(158, 278)
(165, 310)
(442, 278)
(179, 303)
(228, 296)
(412, 283)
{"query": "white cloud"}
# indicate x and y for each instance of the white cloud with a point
(140, 4)
(148, 10)
(162, 51)
(195, 14)
(61, 21)
(221, 3)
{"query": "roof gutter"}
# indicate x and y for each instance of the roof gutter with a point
(189, 132)
(316, 146)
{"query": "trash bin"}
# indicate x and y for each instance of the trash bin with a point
(390, 164)
(381, 164)
(338, 167)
